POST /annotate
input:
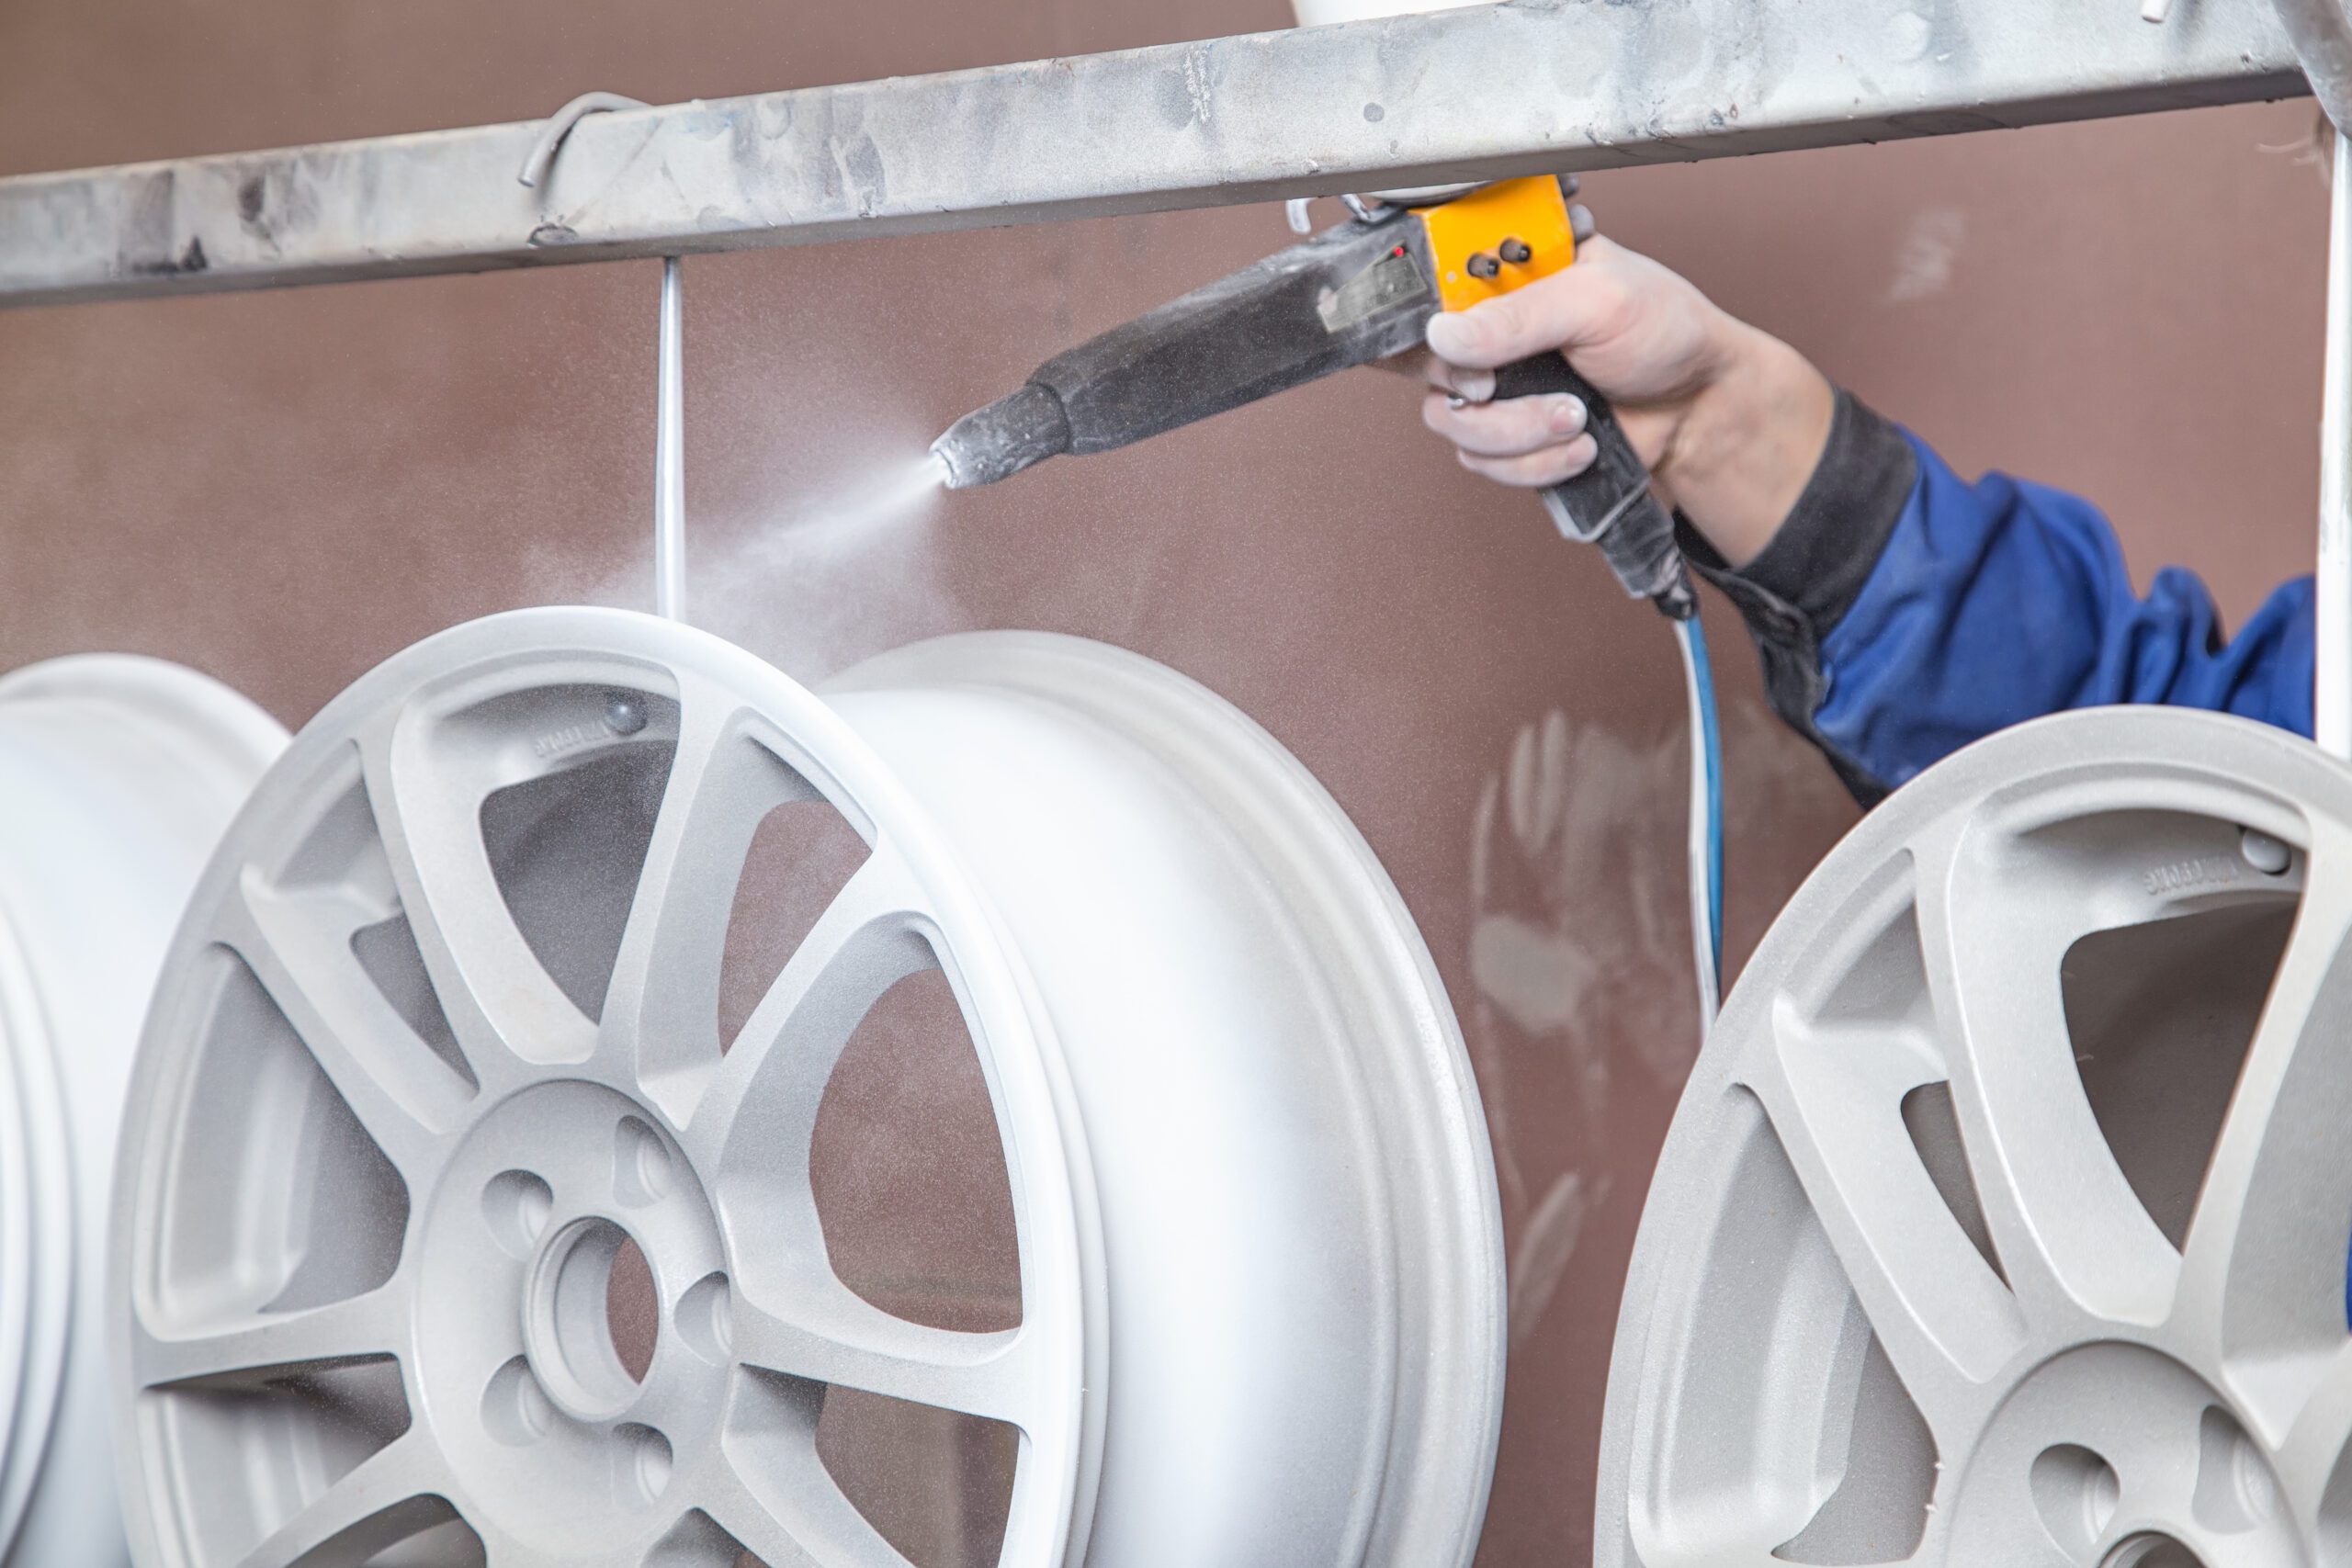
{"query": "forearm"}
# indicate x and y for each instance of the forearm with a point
(1747, 442)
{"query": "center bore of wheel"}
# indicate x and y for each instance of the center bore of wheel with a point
(568, 1331)
(2151, 1551)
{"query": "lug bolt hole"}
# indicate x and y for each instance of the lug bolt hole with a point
(703, 1318)
(514, 1407)
(648, 1457)
(2075, 1492)
(516, 1205)
(2235, 1489)
(641, 1172)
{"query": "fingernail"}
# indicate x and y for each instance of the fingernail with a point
(1472, 386)
(1456, 400)
(1568, 416)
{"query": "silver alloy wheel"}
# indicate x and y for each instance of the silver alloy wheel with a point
(2005, 1217)
(364, 1227)
(117, 776)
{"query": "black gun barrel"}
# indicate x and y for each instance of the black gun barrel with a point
(1351, 295)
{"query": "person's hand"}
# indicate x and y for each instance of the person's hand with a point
(1730, 421)
(1646, 340)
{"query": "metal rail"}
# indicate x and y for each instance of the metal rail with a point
(1539, 85)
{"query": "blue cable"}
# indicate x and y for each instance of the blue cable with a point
(1706, 762)
(1712, 736)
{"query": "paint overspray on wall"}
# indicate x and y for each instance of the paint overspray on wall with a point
(1929, 254)
(1579, 815)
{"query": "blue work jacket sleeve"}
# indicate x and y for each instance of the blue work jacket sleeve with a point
(1902, 612)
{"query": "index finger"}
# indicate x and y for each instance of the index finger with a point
(1555, 312)
(1420, 365)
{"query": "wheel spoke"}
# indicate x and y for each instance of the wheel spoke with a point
(862, 945)
(661, 1008)
(298, 947)
(2263, 1282)
(502, 1550)
(2072, 1236)
(269, 1345)
(2315, 1458)
(1835, 1098)
(500, 1001)
(838, 1338)
(802, 1522)
(389, 1497)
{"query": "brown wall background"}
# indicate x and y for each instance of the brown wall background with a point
(283, 488)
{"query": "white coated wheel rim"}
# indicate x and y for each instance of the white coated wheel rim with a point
(464, 1315)
(38, 1252)
(1851, 1338)
(118, 773)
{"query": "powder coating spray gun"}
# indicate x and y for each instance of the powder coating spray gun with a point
(1360, 292)
(1353, 294)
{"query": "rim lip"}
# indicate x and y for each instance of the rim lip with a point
(37, 1207)
(998, 987)
(2252, 759)
(1422, 1090)
(221, 722)
(233, 740)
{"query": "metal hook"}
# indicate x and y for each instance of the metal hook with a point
(670, 374)
(670, 453)
(537, 162)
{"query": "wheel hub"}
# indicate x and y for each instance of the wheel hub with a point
(2128, 1459)
(547, 1195)
(2153, 1551)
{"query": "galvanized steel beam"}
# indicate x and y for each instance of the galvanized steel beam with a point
(2320, 33)
(1539, 85)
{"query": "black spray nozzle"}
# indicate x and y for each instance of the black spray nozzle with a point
(998, 441)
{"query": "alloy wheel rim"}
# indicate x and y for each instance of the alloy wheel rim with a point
(526, 1133)
(36, 1251)
(1972, 1240)
(120, 773)
(419, 748)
